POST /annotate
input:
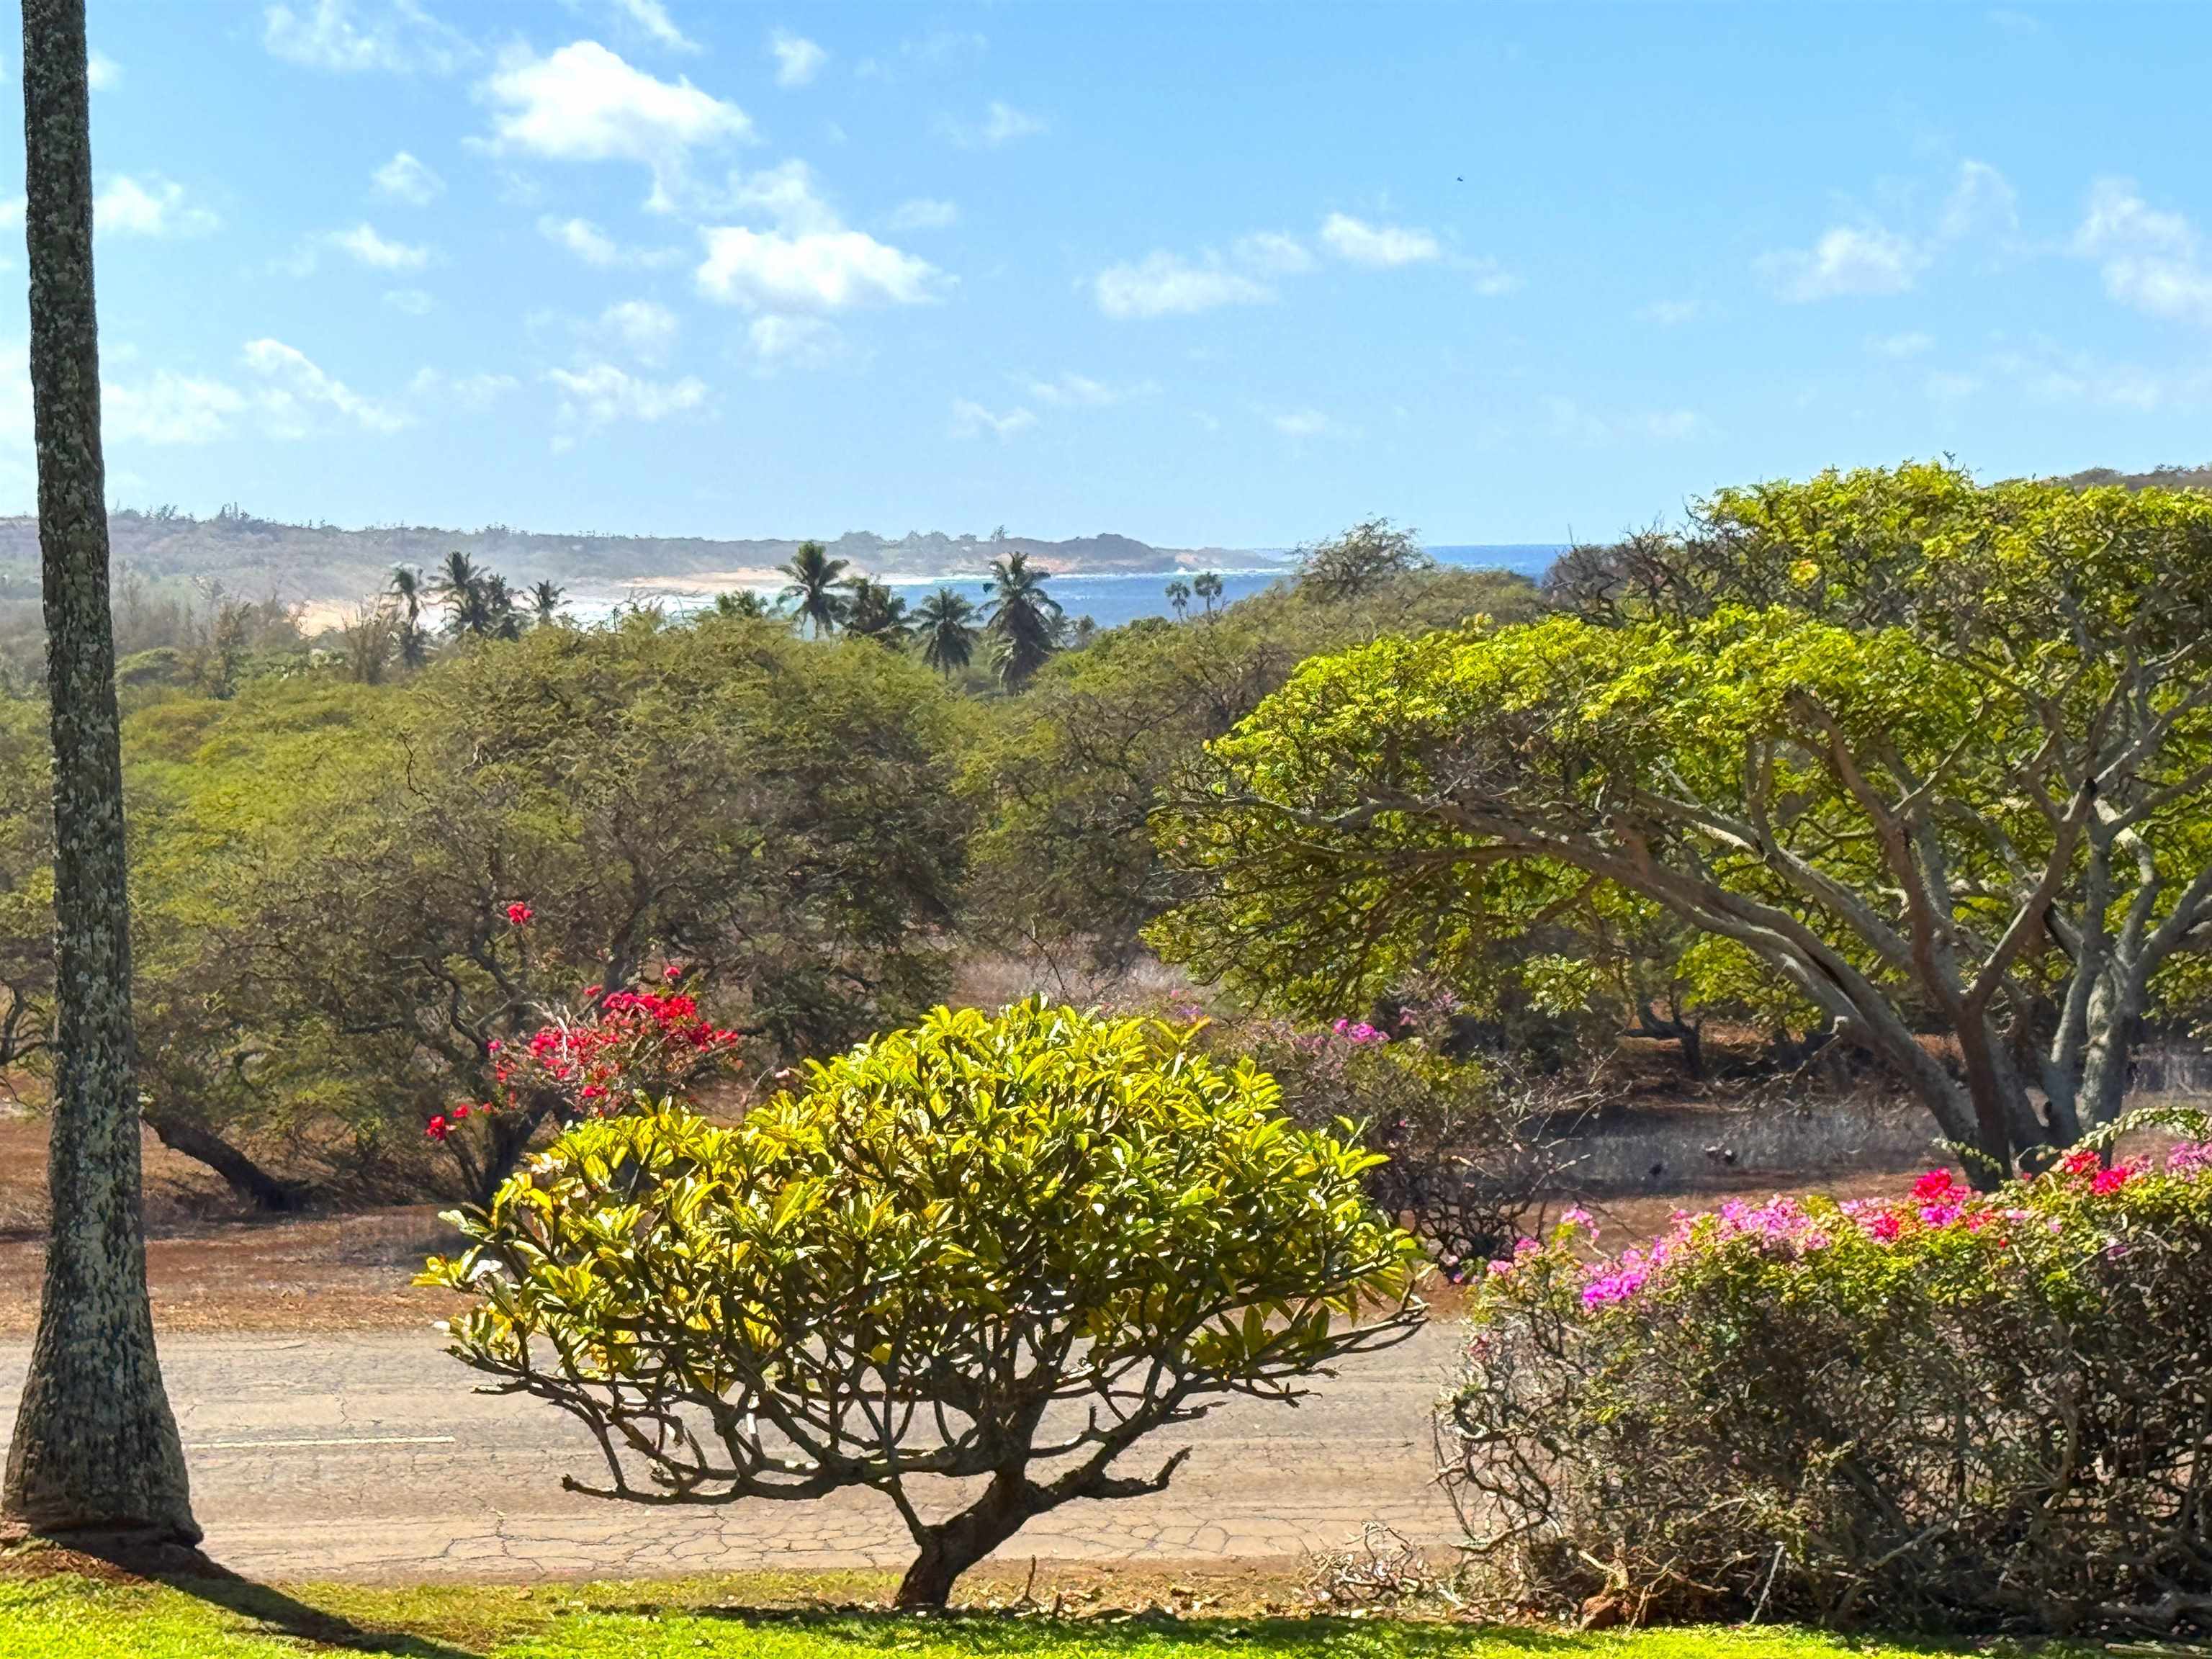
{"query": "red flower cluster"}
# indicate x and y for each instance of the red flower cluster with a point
(519, 916)
(653, 1045)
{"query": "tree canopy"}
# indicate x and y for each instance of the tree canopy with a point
(1933, 755)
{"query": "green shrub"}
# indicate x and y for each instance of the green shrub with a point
(1461, 1146)
(1950, 1412)
(958, 1250)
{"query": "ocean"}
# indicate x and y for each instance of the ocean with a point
(1111, 600)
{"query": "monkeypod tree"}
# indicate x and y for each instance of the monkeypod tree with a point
(972, 1248)
(1963, 782)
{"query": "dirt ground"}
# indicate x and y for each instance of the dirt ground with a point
(212, 1270)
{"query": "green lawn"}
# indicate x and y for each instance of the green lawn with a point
(67, 1617)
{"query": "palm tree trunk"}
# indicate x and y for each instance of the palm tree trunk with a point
(96, 1446)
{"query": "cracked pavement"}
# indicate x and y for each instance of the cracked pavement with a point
(369, 1457)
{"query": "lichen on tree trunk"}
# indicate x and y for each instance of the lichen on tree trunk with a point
(95, 1445)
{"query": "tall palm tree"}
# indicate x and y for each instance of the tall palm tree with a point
(545, 602)
(458, 587)
(95, 1443)
(944, 622)
(872, 611)
(815, 580)
(1179, 596)
(406, 585)
(1023, 620)
(499, 614)
(1207, 586)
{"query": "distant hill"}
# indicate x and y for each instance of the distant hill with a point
(2162, 478)
(324, 566)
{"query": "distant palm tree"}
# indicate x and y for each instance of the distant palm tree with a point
(1022, 619)
(944, 621)
(872, 611)
(1207, 586)
(406, 586)
(413, 641)
(1179, 596)
(815, 580)
(743, 602)
(545, 602)
(458, 578)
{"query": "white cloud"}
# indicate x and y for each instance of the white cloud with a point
(798, 59)
(599, 394)
(101, 72)
(923, 213)
(1982, 200)
(1272, 252)
(1073, 391)
(366, 246)
(2050, 374)
(1848, 260)
(585, 104)
(124, 206)
(169, 409)
(1489, 278)
(581, 238)
(809, 261)
(410, 301)
(1675, 425)
(404, 179)
(400, 38)
(1002, 124)
(645, 327)
(1302, 423)
(651, 16)
(972, 420)
(1163, 284)
(1950, 389)
(1669, 313)
(822, 270)
(1911, 344)
(2149, 259)
(474, 391)
(784, 193)
(1362, 244)
(780, 342)
(295, 387)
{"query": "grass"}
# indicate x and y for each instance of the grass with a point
(63, 1615)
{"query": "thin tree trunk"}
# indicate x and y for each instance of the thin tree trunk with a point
(96, 1446)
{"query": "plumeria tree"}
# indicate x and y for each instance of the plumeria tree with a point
(1001, 1249)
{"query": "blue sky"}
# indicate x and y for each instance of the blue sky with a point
(1235, 275)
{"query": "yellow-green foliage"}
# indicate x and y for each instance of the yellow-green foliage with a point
(899, 1268)
(926, 1192)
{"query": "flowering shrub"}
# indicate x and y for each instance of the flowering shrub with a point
(1459, 1142)
(1953, 1410)
(610, 1052)
(626, 1048)
(976, 1248)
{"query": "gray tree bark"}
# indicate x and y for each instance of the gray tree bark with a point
(96, 1446)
